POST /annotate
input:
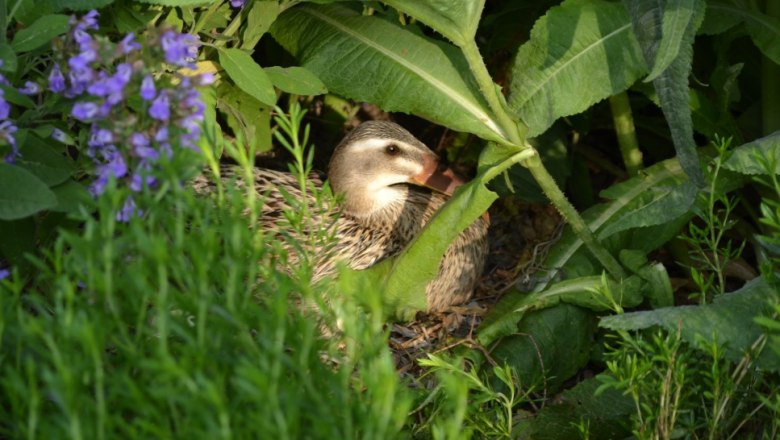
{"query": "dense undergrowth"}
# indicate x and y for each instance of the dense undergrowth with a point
(132, 307)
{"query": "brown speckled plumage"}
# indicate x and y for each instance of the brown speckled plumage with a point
(367, 227)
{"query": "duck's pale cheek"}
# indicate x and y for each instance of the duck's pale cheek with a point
(387, 196)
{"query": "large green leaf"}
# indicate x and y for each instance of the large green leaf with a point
(41, 32)
(671, 83)
(80, 5)
(371, 59)
(580, 53)
(457, 20)
(606, 414)
(747, 158)
(763, 29)
(660, 24)
(729, 320)
(662, 204)
(584, 291)
(22, 194)
(248, 75)
(45, 163)
(258, 20)
(549, 346)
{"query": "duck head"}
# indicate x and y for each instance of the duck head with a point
(375, 162)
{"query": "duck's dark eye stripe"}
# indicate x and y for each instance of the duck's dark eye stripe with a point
(392, 149)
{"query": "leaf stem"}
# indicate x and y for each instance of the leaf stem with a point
(626, 132)
(569, 213)
(511, 128)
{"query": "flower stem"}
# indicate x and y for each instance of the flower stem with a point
(626, 132)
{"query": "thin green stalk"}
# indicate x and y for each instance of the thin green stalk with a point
(626, 132)
(205, 17)
(770, 72)
(570, 214)
(511, 131)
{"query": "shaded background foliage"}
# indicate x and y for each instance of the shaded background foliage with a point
(658, 119)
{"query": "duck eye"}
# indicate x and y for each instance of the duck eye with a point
(392, 149)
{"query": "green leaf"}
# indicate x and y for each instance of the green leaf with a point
(583, 291)
(579, 54)
(71, 195)
(661, 25)
(22, 194)
(8, 57)
(456, 20)
(746, 159)
(368, 58)
(729, 319)
(80, 5)
(718, 19)
(659, 204)
(51, 167)
(549, 346)
(763, 29)
(259, 19)
(12, 95)
(246, 115)
(179, 2)
(17, 238)
(41, 32)
(607, 414)
(296, 80)
(409, 273)
(248, 75)
(671, 83)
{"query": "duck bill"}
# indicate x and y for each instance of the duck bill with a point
(443, 181)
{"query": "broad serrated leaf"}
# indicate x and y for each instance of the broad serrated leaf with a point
(179, 2)
(248, 75)
(456, 20)
(22, 194)
(663, 204)
(41, 32)
(579, 54)
(584, 291)
(368, 58)
(763, 29)
(549, 346)
(41, 160)
(296, 80)
(729, 319)
(607, 414)
(671, 84)
(718, 19)
(80, 5)
(747, 158)
(410, 272)
(660, 24)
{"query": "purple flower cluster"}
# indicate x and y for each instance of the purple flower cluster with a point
(128, 135)
(237, 3)
(7, 127)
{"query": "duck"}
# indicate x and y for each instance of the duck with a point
(387, 186)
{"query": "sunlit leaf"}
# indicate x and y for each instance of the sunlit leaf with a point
(368, 58)
(248, 75)
(41, 32)
(729, 319)
(746, 159)
(580, 53)
(456, 20)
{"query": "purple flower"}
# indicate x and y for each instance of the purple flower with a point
(59, 135)
(111, 85)
(7, 130)
(5, 107)
(180, 49)
(30, 88)
(127, 44)
(88, 21)
(148, 90)
(204, 79)
(4, 273)
(100, 137)
(84, 111)
(141, 148)
(128, 211)
(237, 3)
(56, 80)
(81, 61)
(161, 108)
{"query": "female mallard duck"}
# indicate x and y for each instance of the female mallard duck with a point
(379, 171)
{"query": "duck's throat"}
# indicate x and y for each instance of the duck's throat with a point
(370, 203)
